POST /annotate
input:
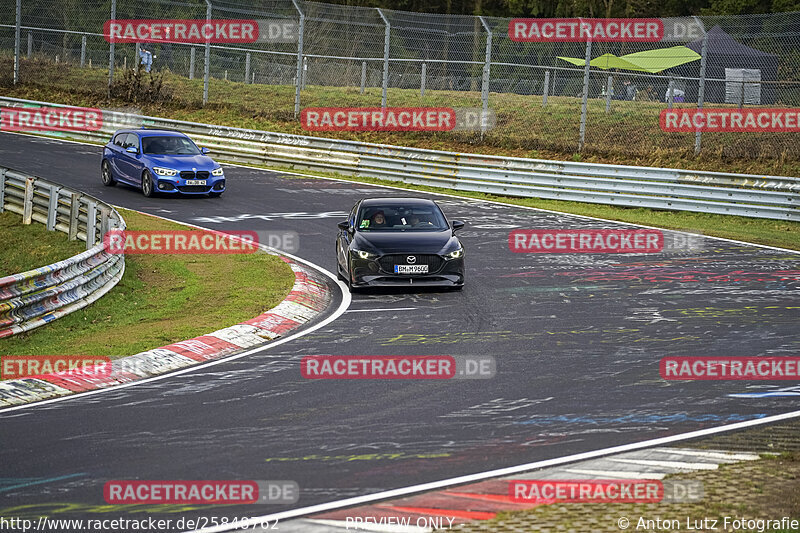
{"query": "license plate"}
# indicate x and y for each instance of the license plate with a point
(411, 269)
(195, 182)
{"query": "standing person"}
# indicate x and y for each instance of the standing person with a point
(145, 58)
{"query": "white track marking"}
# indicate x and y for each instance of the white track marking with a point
(715, 455)
(376, 310)
(602, 474)
(677, 465)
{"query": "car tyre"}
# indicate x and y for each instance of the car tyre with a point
(106, 175)
(148, 188)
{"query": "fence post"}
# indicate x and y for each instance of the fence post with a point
(27, 202)
(83, 51)
(305, 74)
(609, 88)
(701, 91)
(91, 224)
(298, 80)
(487, 65)
(247, 68)
(585, 101)
(363, 76)
(17, 30)
(2, 189)
(671, 93)
(546, 87)
(74, 212)
(52, 208)
(422, 80)
(191, 62)
(30, 44)
(387, 34)
(207, 68)
(137, 59)
(104, 222)
(111, 48)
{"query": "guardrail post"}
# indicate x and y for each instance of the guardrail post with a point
(300, 77)
(247, 68)
(91, 224)
(701, 91)
(191, 62)
(207, 70)
(2, 189)
(386, 36)
(363, 76)
(422, 80)
(52, 208)
(17, 30)
(609, 89)
(671, 93)
(111, 49)
(585, 100)
(74, 213)
(487, 65)
(83, 51)
(546, 87)
(104, 222)
(27, 202)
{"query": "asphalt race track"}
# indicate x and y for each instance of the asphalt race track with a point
(577, 340)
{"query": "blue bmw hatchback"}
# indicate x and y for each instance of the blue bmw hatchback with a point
(160, 161)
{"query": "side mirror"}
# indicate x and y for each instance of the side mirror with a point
(457, 225)
(204, 150)
(345, 225)
(132, 150)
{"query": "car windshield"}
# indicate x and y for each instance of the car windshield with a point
(401, 218)
(169, 145)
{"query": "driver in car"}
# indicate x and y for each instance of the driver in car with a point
(378, 220)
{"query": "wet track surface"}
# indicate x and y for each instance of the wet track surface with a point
(577, 340)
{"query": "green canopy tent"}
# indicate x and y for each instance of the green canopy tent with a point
(652, 61)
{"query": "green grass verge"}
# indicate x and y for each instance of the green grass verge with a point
(162, 299)
(630, 134)
(24, 248)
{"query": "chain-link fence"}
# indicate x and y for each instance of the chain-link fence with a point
(356, 56)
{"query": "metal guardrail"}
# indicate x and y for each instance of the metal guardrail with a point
(773, 197)
(36, 297)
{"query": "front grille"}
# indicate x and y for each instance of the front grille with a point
(203, 174)
(193, 188)
(187, 175)
(433, 261)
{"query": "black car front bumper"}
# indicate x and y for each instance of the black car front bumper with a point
(379, 272)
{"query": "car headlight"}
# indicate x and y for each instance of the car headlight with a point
(161, 171)
(364, 255)
(455, 254)
(217, 172)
